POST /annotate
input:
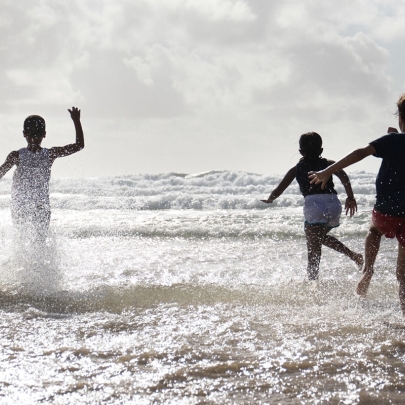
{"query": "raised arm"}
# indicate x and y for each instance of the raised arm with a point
(287, 180)
(350, 204)
(73, 147)
(353, 157)
(10, 161)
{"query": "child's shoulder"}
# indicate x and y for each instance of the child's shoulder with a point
(14, 153)
(13, 157)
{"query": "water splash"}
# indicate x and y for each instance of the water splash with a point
(32, 266)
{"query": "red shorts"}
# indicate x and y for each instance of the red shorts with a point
(390, 226)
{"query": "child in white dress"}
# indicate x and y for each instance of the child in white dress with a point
(30, 207)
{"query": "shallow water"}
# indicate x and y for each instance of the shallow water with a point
(191, 306)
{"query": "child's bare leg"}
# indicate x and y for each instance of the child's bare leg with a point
(335, 244)
(314, 235)
(372, 245)
(401, 276)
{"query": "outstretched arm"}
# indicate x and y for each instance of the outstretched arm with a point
(287, 180)
(73, 147)
(350, 204)
(10, 161)
(353, 157)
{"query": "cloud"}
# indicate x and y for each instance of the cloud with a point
(153, 41)
(42, 86)
(142, 68)
(232, 68)
(222, 10)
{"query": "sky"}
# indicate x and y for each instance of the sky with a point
(189, 86)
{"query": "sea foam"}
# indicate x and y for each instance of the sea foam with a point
(216, 189)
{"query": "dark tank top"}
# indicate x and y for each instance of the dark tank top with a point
(306, 188)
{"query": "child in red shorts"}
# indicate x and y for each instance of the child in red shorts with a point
(390, 227)
(389, 210)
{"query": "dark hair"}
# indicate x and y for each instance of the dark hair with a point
(34, 125)
(311, 145)
(401, 107)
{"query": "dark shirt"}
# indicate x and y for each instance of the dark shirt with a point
(303, 167)
(390, 182)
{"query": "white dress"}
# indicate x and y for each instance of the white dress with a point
(30, 190)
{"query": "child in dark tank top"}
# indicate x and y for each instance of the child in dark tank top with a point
(322, 208)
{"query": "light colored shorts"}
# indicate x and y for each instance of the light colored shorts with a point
(322, 209)
(391, 227)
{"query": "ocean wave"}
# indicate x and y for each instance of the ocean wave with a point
(215, 189)
(278, 222)
(116, 299)
(275, 232)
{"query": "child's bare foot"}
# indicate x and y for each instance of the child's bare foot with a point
(358, 259)
(363, 284)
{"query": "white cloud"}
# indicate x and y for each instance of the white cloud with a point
(6, 21)
(236, 69)
(142, 68)
(219, 10)
(44, 87)
(292, 16)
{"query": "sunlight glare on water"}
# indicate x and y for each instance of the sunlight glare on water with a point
(190, 306)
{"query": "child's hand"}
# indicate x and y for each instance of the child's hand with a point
(75, 114)
(269, 200)
(319, 177)
(351, 206)
(390, 129)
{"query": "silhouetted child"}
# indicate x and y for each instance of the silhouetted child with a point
(388, 216)
(322, 208)
(30, 208)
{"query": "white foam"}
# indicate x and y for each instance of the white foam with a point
(208, 190)
(31, 267)
(215, 189)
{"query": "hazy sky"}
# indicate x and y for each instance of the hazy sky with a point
(194, 85)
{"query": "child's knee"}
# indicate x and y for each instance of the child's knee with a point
(374, 231)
